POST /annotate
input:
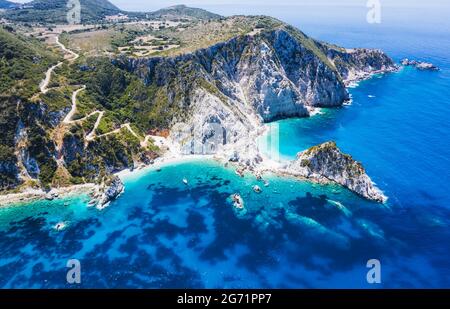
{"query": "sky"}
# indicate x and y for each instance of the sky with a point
(218, 5)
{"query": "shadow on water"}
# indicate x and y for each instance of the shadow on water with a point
(190, 236)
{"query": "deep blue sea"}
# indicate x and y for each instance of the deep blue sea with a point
(164, 234)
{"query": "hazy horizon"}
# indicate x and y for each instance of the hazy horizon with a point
(144, 5)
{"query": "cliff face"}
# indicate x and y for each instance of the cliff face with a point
(271, 74)
(326, 162)
(239, 84)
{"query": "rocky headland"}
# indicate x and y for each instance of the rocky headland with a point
(326, 163)
(420, 65)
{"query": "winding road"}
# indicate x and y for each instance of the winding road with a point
(75, 56)
(60, 131)
(73, 110)
(48, 75)
(91, 136)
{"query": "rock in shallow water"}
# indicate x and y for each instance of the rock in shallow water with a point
(425, 66)
(113, 191)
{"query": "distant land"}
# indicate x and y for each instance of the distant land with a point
(8, 4)
(55, 11)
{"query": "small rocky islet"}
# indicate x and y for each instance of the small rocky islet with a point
(420, 65)
(326, 162)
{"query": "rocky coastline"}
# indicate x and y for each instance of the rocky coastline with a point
(420, 65)
(235, 87)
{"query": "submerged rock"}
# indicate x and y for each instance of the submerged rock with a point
(238, 202)
(257, 189)
(326, 162)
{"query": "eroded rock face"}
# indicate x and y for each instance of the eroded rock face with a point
(239, 84)
(213, 125)
(314, 78)
(326, 162)
(360, 63)
(112, 192)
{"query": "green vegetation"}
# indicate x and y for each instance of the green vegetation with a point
(23, 62)
(325, 147)
(305, 163)
(123, 36)
(312, 45)
(88, 124)
(84, 105)
(107, 124)
(123, 96)
(55, 11)
(41, 147)
(182, 11)
(104, 155)
(57, 99)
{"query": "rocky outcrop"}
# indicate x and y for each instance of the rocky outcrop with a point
(358, 64)
(112, 192)
(326, 162)
(420, 65)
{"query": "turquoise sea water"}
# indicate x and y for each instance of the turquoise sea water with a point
(163, 233)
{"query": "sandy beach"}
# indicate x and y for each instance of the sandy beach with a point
(160, 163)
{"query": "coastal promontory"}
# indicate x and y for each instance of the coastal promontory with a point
(326, 162)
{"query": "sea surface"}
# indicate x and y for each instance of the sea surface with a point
(162, 233)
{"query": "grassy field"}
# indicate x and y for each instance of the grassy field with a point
(97, 41)
(165, 38)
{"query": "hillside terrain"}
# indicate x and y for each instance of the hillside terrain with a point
(94, 11)
(82, 111)
(55, 11)
(183, 12)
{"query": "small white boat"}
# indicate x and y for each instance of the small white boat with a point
(185, 181)
(60, 226)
